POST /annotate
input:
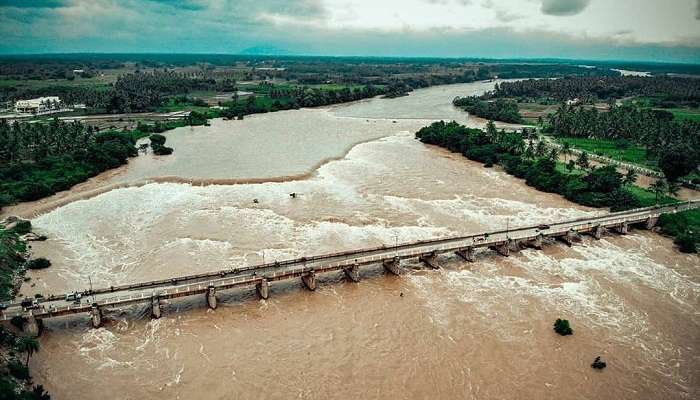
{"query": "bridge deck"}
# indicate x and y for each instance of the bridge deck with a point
(123, 295)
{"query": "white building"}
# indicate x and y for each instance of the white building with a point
(41, 105)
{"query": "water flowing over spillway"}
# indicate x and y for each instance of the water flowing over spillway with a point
(469, 330)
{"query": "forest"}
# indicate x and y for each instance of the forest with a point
(37, 160)
(496, 110)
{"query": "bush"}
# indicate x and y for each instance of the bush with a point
(158, 145)
(561, 326)
(597, 364)
(157, 139)
(22, 227)
(18, 369)
(687, 242)
(162, 150)
(38, 263)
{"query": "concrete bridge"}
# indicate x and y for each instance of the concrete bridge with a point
(261, 276)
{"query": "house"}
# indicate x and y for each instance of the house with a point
(41, 105)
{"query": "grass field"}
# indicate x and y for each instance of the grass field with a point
(681, 114)
(608, 148)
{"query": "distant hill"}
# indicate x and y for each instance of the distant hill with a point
(265, 51)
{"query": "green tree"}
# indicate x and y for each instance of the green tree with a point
(659, 187)
(566, 150)
(28, 345)
(582, 160)
(540, 149)
(630, 177)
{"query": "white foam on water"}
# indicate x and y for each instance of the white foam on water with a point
(488, 212)
(634, 267)
(97, 345)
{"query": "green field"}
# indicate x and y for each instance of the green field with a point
(609, 148)
(682, 114)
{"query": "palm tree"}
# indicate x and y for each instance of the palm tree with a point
(566, 150)
(659, 187)
(672, 188)
(26, 344)
(582, 161)
(630, 177)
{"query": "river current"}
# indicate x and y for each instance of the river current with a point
(478, 330)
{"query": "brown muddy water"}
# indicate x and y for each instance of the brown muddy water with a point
(473, 331)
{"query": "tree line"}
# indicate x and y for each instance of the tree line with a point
(663, 90)
(132, 92)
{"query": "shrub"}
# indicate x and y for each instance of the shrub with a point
(17, 369)
(38, 263)
(157, 139)
(162, 150)
(18, 321)
(687, 242)
(561, 326)
(597, 364)
(22, 227)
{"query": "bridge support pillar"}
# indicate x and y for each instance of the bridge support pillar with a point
(32, 326)
(623, 228)
(429, 260)
(597, 232)
(513, 245)
(651, 222)
(537, 242)
(502, 248)
(155, 307)
(467, 254)
(352, 272)
(96, 316)
(570, 238)
(263, 289)
(309, 280)
(212, 301)
(393, 265)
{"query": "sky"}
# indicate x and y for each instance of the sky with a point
(648, 30)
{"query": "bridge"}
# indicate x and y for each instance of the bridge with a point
(261, 276)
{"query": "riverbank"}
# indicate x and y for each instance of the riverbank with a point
(537, 164)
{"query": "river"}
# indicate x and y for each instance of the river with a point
(478, 330)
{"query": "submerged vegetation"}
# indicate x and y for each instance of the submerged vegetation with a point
(562, 327)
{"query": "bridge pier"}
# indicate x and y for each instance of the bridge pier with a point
(651, 222)
(536, 242)
(212, 301)
(155, 307)
(502, 248)
(623, 228)
(514, 244)
(309, 280)
(429, 260)
(31, 326)
(467, 254)
(96, 316)
(570, 238)
(597, 232)
(393, 265)
(263, 289)
(352, 272)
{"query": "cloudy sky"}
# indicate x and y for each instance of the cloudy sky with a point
(659, 30)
